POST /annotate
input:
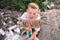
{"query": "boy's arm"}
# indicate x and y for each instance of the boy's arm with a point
(34, 34)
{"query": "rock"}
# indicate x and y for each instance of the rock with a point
(50, 26)
(56, 4)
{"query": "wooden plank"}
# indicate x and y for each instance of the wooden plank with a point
(32, 23)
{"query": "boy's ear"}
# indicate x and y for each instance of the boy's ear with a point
(26, 10)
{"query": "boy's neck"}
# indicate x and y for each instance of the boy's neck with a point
(32, 18)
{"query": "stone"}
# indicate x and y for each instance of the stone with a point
(50, 30)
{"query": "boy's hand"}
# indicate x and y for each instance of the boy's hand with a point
(31, 38)
(34, 35)
(29, 29)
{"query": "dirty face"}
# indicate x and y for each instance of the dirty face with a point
(32, 13)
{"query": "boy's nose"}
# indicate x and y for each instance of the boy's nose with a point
(32, 16)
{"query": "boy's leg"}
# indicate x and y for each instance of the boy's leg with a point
(36, 38)
(26, 38)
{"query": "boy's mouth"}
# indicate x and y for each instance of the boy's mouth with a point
(31, 17)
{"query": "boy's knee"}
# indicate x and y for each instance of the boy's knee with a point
(36, 38)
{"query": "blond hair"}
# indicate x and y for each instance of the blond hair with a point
(33, 5)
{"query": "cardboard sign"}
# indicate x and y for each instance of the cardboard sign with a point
(31, 23)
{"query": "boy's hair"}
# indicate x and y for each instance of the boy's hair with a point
(33, 5)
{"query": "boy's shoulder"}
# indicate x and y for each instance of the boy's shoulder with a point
(24, 16)
(39, 17)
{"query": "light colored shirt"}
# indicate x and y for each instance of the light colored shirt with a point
(25, 16)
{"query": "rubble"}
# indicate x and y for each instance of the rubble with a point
(10, 23)
(9, 26)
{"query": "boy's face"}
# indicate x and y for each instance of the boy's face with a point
(32, 13)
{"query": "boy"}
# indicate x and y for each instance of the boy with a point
(32, 13)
